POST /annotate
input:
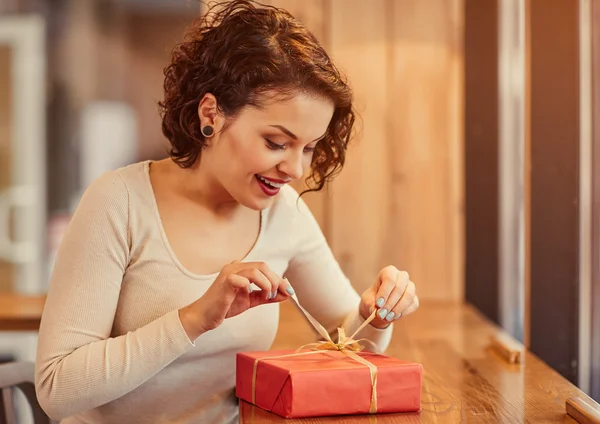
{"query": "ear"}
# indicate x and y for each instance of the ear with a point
(209, 114)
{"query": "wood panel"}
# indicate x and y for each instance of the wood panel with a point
(527, 296)
(361, 203)
(481, 156)
(554, 302)
(595, 301)
(464, 380)
(7, 271)
(425, 143)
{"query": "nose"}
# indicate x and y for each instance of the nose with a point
(293, 165)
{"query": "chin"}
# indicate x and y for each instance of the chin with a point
(255, 203)
(255, 197)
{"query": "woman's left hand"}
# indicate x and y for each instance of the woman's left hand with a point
(392, 294)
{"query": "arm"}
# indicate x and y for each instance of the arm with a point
(322, 288)
(79, 366)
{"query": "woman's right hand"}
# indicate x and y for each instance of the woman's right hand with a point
(231, 294)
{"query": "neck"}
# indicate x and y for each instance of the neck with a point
(198, 185)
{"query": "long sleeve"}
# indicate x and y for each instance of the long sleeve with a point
(321, 286)
(79, 365)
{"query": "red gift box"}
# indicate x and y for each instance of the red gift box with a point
(327, 382)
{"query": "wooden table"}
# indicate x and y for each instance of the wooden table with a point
(464, 380)
(20, 312)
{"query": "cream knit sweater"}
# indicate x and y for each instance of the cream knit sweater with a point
(111, 346)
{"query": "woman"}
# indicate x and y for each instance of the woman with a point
(169, 268)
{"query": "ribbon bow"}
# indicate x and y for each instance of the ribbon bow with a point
(347, 345)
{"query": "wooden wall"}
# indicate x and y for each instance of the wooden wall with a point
(6, 270)
(400, 198)
(595, 283)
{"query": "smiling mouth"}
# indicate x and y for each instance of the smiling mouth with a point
(269, 182)
(270, 188)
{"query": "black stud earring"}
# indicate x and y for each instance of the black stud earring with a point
(207, 131)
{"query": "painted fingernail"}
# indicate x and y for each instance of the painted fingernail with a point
(274, 294)
(382, 313)
(370, 309)
(398, 316)
(250, 289)
(380, 302)
(290, 290)
(390, 316)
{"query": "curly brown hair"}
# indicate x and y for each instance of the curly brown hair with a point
(240, 51)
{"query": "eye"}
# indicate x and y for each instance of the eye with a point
(309, 149)
(274, 146)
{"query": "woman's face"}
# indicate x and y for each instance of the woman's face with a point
(263, 149)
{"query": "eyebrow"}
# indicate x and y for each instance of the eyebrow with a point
(291, 134)
(286, 131)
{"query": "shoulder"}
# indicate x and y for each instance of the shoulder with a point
(117, 184)
(108, 188)
(111, 191)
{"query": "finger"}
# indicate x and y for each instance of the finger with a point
(265, 269)
(237, 282)
(276, 280)
(368, 298)
(389, 277)
(406, 301)
(412, 308)
(258, 278)
(386, 282)
(387, 312)
(286, 288)
(279, 295)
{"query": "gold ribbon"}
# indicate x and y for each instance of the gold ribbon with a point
(347, 345)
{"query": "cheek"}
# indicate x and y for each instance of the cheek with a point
(240, 153)
(258, 161)
(253, 159)
(246, 155)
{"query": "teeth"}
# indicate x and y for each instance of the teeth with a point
(270, 183)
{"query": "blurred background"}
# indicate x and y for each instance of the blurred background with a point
(477, 165)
